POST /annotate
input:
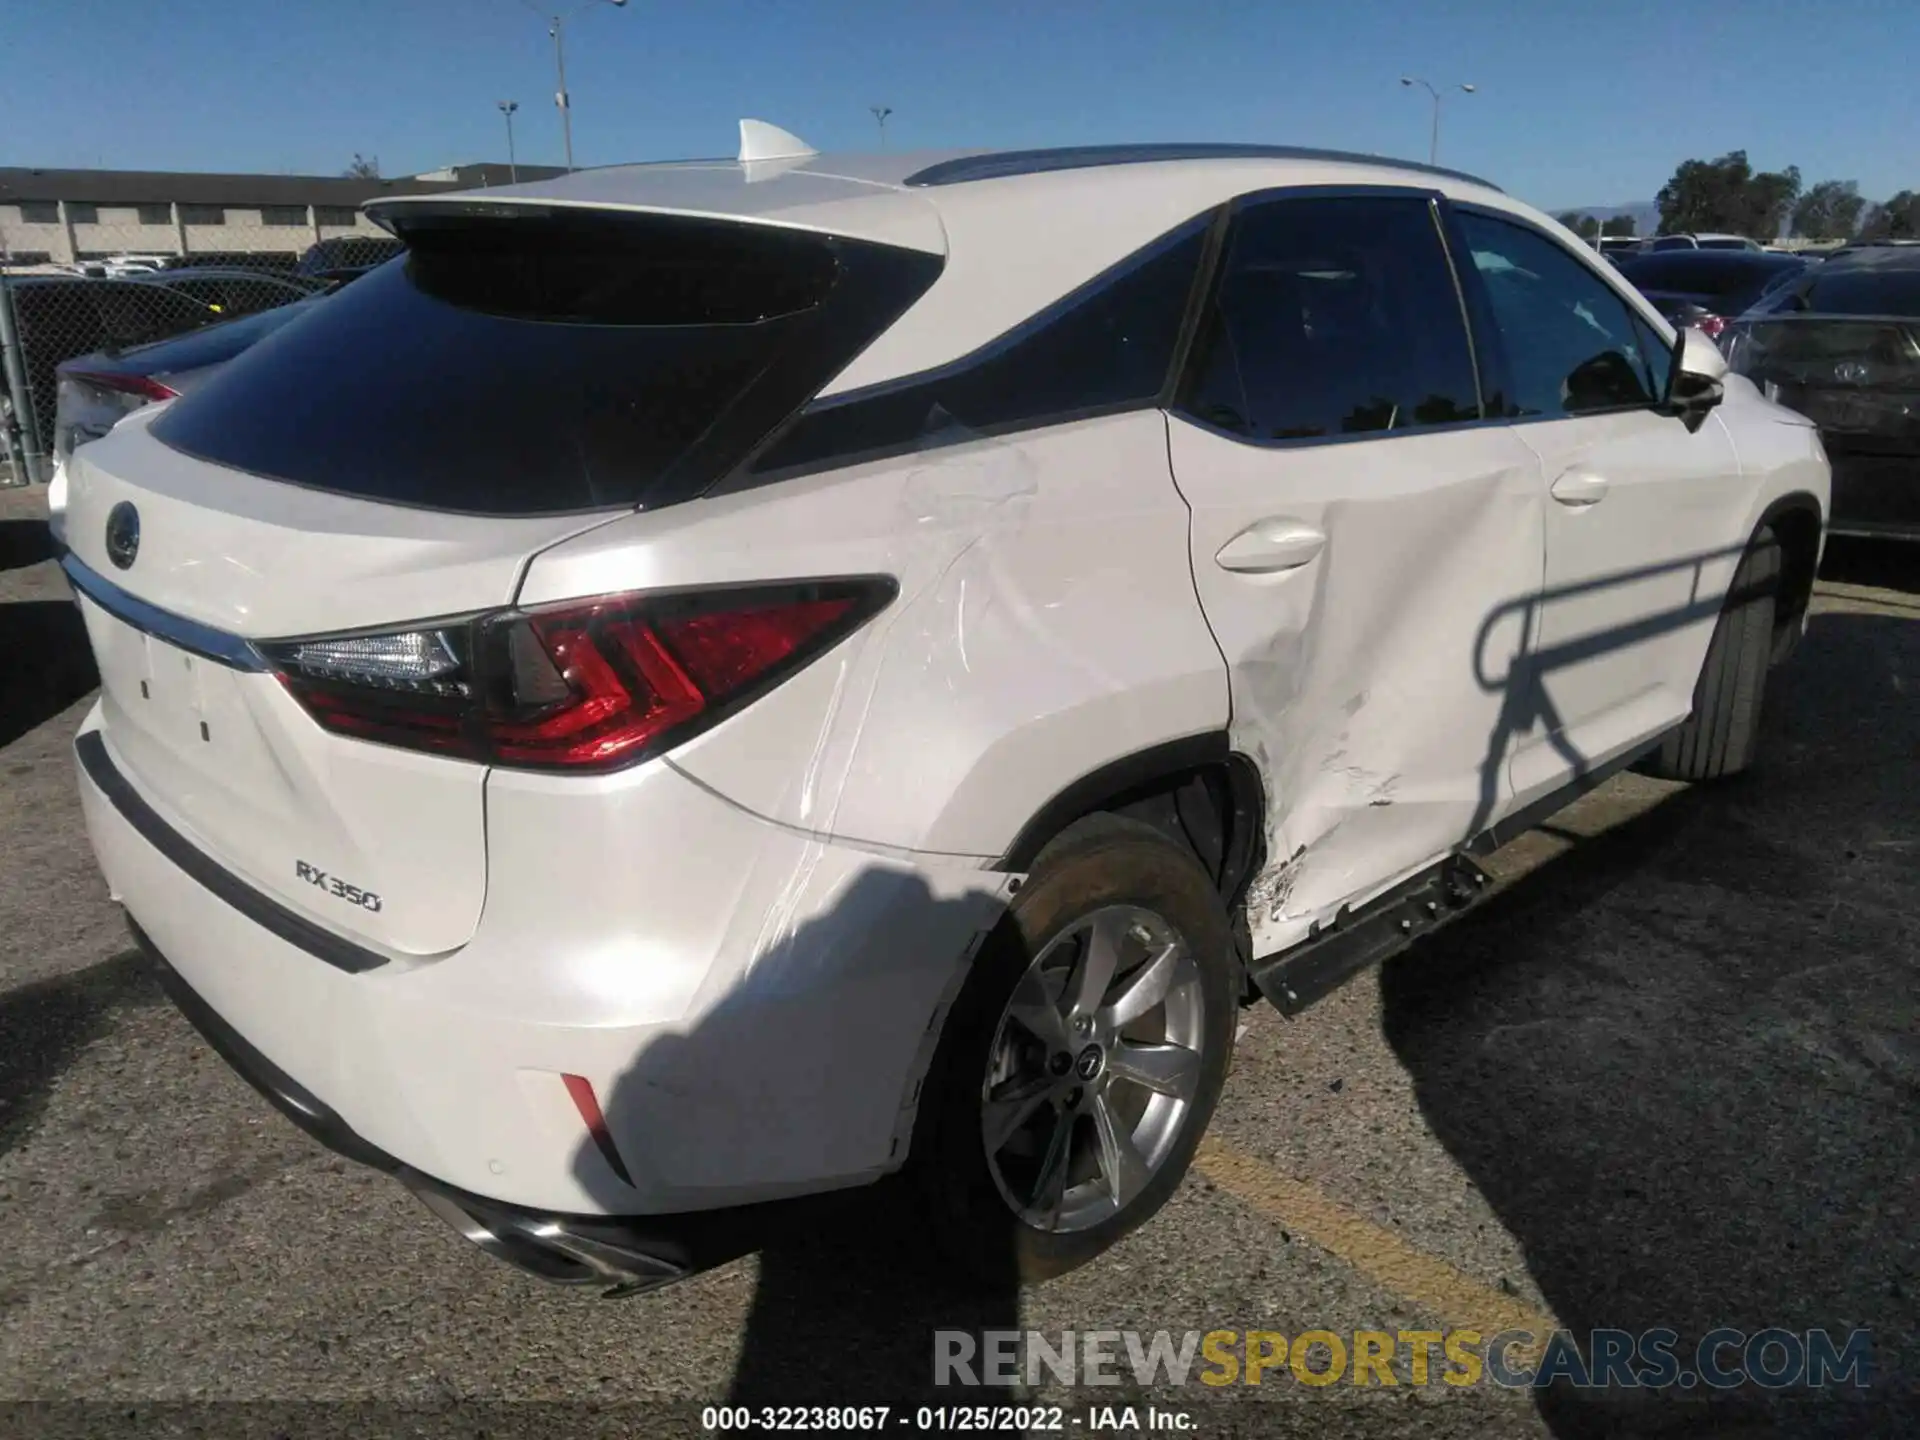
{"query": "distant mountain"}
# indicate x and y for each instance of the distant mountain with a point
(1645, 213)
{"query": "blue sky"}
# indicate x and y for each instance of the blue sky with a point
(1577, 104)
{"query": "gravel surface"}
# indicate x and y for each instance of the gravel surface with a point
(1668, 1076)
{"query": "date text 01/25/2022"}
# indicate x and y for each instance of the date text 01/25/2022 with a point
(1015, 1419)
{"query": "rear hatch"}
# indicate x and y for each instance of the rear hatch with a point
(399, 456)
(224, 753)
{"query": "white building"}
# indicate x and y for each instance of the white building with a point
(64, 216)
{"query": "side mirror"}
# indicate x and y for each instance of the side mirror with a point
(1699, 377)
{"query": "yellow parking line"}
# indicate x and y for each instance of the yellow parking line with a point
(1449, 1294)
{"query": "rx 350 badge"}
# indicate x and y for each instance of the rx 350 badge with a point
(339, 889)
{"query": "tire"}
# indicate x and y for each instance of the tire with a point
(1722, 735)
(1104, 876)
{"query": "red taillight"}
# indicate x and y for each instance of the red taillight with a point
(1711, 325)
(590, 685)
(143, 386)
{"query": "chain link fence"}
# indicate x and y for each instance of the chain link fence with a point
(104, 288)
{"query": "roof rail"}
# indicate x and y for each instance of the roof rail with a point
(998, 165)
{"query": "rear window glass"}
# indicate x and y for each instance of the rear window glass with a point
(517, 363)
(214, 343)
(1707, 272)
(1865, 290)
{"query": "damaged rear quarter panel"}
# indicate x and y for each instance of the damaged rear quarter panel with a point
(1046, 624)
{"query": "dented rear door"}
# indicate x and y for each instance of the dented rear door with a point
(1366, 550)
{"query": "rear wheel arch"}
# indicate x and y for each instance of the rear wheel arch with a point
(1198, 791)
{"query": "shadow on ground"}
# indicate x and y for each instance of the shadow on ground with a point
(1887, 564)
(1682, 1061)
(23, 543)
(45, 663)
(45, 1026)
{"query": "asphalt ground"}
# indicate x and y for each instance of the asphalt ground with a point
(1668, 1077)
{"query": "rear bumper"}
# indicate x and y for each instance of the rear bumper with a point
(625, 1254)
(746, 1041)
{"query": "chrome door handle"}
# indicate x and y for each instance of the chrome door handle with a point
(1580, 487)
(1270, 545)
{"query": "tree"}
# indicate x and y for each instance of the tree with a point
(1898, 219)
(364, 167)
(1619, 225)
(1585, 226)
(1727, 195)
(1829, 211)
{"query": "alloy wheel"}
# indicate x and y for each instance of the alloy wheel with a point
(1094, 1069)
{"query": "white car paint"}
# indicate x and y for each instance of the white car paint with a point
(747, 945)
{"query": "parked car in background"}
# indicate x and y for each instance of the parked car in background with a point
(93, 393)
(1708, 288)
(117, 266)
(1616, 247)
(234, 293)
(655, 706)
(1702, 241)
(62, 316)
(347, 257)
(274, 262)
(1842, 346)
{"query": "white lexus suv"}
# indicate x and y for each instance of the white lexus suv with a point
(706, 683)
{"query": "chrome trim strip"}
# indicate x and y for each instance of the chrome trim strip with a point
(263, 910)
(189, 635)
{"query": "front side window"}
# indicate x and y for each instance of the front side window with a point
(1332, 317)
(1572, 345)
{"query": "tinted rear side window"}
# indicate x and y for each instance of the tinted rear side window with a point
(1696, 271)
(1865, 290)
(1334, 317)
(528, 362)
(1104, 348)
(1706, 272)
(212, 344)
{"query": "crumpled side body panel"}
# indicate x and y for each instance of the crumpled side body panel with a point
(1046, 624)
(1368, 683)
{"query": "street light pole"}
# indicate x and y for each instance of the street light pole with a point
(556, 28)
(880, 113)
(1433, 150)
(507, 107)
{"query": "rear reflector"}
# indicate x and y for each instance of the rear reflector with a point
(580, 1089)
(584, 686)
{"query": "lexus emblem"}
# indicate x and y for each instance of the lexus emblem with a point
(123, 534)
